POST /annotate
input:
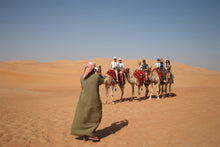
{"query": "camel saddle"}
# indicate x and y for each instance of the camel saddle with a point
(138, 74)
(112, 74)
(160, 73)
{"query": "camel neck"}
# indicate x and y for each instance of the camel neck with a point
(128, 77)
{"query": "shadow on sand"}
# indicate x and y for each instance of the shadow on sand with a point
(115, 127)
(171, 95)
(123, 100)
(143, 98)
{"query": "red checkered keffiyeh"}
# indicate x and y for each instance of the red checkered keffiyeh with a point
(88, 68)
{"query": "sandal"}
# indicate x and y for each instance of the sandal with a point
(94, 139)
(85, 138)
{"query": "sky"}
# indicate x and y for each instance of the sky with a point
(185, 31)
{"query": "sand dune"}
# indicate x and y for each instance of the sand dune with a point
(38, 102)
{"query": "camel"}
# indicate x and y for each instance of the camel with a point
(109, 82)
(98, 69)
(133, 81)
(169, 80)
(155, 80)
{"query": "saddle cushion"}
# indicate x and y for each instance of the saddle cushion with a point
(159, 73)
(112, 74)
(138, 75)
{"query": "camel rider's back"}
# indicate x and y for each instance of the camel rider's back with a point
(157, 65)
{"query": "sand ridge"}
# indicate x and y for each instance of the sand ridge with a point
(38, 101)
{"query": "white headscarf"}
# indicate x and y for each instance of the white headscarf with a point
(89, 68)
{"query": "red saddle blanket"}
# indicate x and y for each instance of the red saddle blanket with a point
(138, 74)
(112, 74)
(159, 73)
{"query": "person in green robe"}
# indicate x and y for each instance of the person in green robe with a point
(89, 108)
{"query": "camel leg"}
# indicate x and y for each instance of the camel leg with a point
(106, 89)
(158, 90)
(146, 92)
(139, 92)
(151, 90)
(163, 91)
(122, 93)
(166, 89)
(170, 89)
(112, 95)
(132, 97)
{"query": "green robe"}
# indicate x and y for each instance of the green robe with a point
(89, 108)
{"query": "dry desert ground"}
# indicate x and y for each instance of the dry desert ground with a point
(38, 102)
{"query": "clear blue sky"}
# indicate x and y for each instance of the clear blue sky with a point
(186, 31)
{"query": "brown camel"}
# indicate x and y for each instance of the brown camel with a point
(155, 80)
(98, 69)
(169, 80)
(109, 82)
(133, 81)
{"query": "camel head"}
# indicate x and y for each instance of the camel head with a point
(98, 69)
(127, 70)
(149, 68)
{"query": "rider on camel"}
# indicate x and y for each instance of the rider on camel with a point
(114, 66)
(139, 66)
(162, 70)
(168, 67)
(144, 68)
(121, 67)
(159, 65)
(144, 65)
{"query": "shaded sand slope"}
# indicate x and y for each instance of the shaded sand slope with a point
(38, 102)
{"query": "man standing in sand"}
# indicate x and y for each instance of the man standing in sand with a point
(89, 108)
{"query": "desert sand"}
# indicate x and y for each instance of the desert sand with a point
(38, 102)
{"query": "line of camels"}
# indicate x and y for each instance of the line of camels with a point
(152, 77)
